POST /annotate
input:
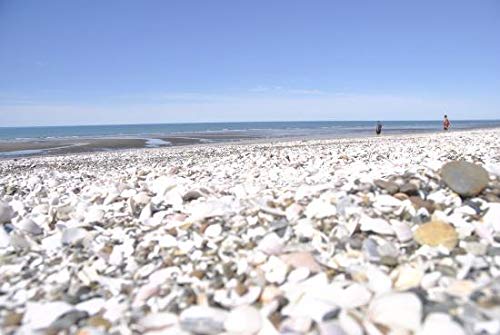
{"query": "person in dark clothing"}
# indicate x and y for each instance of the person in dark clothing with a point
(378, 128)
(446, 123)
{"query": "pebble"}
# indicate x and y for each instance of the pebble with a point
(409, 189)
(435, 234)
(389, 186)
(465, 178)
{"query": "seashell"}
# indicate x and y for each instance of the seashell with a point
(29, 226)
(213, 231)
(203, 320)
(40, 315)
(157, 321)
(6, 212)
(73, 236)
(396, 311)
(320, 209)
(439, 323)
(271, 244)
(379, 226)
(243, 320)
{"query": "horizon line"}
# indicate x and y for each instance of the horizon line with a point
(247, 121)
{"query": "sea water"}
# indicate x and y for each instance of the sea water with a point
(257, 129)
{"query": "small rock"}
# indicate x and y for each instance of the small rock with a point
(409, 189)
(12, 319)
(435, 234)
(418, 203)
(401, 196)
(465, 178)
(389, 186)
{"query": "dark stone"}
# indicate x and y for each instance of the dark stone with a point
(419, 203)
(332, 315)
(465, 178)
(67, 320)
(409, 188)
(389, 186)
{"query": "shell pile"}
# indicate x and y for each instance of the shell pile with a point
(346, 236)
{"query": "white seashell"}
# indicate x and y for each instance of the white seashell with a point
(94, 215)
(203, 320)
(386, 203)
(397, 311)
(299, 325)
(320, 209)
(213, 231)
(271, 244)
(430, 280)
(4, 238)
(409, 276)
(298, 275)
(73, 236)
(158, 321)
(275, 270)
(163, 184)
(243, 320)
(40, 315)
(293, 212)
(355, 295)
(378, 281)
(442, 324)
(402, 230)
(379, 226)
(349, 325)
(492, 217)
(91, 306)
(146, 213)
(29, 226)
(6, 212)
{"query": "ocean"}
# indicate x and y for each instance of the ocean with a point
(39, 141)
(254, 129)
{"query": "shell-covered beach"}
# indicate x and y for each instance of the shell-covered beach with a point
(381, 235)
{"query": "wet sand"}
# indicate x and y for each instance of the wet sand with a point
(12, 149)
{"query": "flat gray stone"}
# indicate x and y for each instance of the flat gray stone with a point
(465, 178)
(389, 186)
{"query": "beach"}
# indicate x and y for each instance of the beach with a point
(395, 234)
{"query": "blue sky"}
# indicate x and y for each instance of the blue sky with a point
(93, 62)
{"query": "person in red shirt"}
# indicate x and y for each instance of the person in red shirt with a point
(446, 123)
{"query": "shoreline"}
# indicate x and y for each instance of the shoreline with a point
(17, 149)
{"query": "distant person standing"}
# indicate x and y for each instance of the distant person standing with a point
(446, 123)
(378, 128)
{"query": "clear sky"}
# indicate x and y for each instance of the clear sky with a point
(94, 61)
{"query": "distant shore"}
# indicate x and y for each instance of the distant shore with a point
(74, 145)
